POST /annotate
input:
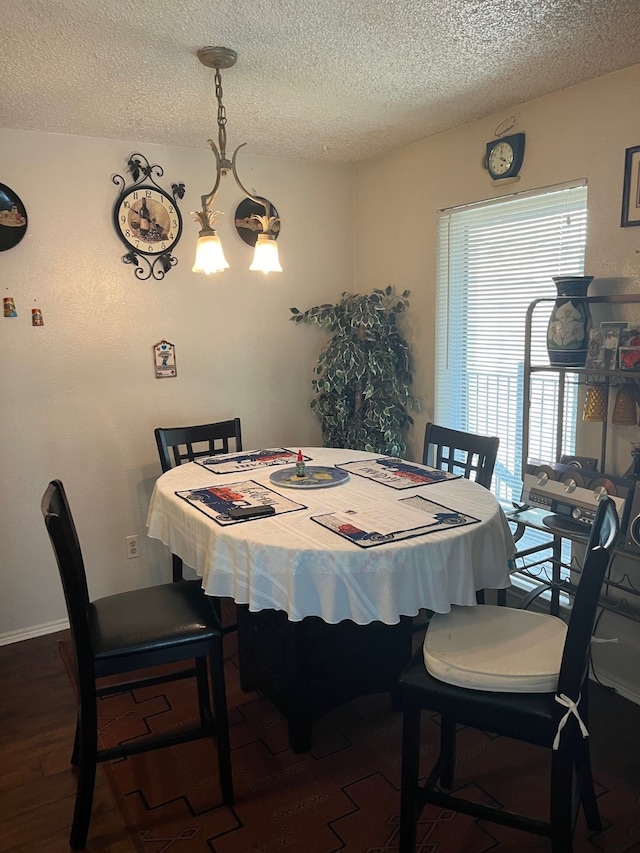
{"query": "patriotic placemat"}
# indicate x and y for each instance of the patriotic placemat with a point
(228, 463)
(392, 521)
(398, 473)
(216, 501)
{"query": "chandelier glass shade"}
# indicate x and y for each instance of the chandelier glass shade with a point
(209, 253)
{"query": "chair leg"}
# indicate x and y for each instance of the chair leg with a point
(447, 752)
(87, 749)
(76, 744)
(409, 810)
(586, 787)
(480, 596)
(216, 664)
(176, 568)
(202, 681)
(561, 817)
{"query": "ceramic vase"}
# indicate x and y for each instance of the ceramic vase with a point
(570, 322)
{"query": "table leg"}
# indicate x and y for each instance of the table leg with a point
(307, 668)
(299, 731)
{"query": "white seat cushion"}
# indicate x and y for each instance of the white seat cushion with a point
(499, 649)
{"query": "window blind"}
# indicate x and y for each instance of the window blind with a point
(493, 259)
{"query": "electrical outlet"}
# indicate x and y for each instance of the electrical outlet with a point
(132, 547)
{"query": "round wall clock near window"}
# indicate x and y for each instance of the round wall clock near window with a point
(249, 228)
(13, 219)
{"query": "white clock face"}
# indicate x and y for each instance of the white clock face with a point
(149, 220)
(501, 158)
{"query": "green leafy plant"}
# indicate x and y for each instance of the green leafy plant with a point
(364, 373)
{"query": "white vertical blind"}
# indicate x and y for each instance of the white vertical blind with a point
(494, 258)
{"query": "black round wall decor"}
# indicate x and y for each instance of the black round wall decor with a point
(249, 228)
(13, 218)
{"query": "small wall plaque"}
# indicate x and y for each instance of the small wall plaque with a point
(164, 357)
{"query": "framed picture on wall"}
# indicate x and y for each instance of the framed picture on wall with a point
(631, 188)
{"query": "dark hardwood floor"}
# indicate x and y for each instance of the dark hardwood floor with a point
(37, 786)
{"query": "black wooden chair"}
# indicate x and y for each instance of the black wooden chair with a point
(185, 444)
(472, 456)
(467, 454)
(130, 631)
(517, 674)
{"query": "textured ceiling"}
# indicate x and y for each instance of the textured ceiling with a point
(340, 80)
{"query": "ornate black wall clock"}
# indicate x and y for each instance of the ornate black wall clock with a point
(147, 219)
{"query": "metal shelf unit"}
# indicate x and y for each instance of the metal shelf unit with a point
(605, 377)
(534, 518)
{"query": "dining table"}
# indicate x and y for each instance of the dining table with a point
(327, 584)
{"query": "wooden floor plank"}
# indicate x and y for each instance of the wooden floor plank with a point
(37, 783)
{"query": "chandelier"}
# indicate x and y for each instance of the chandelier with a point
(209, 254)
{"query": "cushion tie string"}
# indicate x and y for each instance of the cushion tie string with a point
(572, 707)
(605, 640)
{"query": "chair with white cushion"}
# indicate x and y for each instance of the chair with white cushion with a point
(515, 673)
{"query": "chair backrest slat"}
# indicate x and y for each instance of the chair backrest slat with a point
(472, 456)
(66, 546)
(598, 554)
(185, 444)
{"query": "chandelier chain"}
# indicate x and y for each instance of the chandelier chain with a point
(222, 116)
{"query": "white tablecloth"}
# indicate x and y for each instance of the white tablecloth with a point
(291, 563)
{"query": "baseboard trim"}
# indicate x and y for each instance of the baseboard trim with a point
(34, 631)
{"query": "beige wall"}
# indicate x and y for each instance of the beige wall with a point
(581, 132)
(79, 398)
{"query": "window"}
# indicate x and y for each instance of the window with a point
(494, 258)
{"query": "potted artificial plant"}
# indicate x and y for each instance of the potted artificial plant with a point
(364, 373)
